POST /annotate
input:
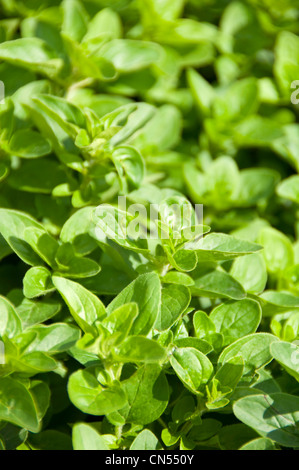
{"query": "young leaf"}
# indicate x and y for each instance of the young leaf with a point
(130, 55)
(121, 320)
(37, 282)
(70, 265)
(147, 393)
(10, 322)
(145, 291)
(75, 20)
(12, 227)
(174, 301)
(33, 54)
(29, 144)
(139, 349)
(192, 367)
(85, 307)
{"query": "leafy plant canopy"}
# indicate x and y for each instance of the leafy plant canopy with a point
(123, 331)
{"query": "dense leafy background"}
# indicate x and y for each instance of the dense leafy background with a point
(132, 343)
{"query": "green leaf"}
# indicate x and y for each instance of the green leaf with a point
(75, 20)
(218, 246)
(156, 136)
(53, 339)
(121, 320)
(216, 284)
(145, 291)
(208, 428)
(251, 272)
(93, 67)
(289, 189)
(130, 167)
(146, 440)
(192, 367)
(29, 144)
(147, 393)
(115, 224)
(131, 117)
(203, 325)
(236, 319)
(33, 312)
(30, 364)
(76, 231)
(174, 301)
(231, 372)
(33, 26)
(287, 354)
(37, 282)
(202, 91)
(105, 24)
(130, 55)
(257, 131)
(42, 243)
(184, 32)
(5, 249)
(255, 185)
(238, 101)
(50, 440)
(139, 349)
(174, 277)
(233, 436)
(85, 307)
(12, 436)
(119, 121)
(273, 416)
(183, 260)
(274, 302)
(166, 9)
(4, 171)
(41, 395)
(65, 114)
(85, 437)
(37, 176)
(16, 405)
(87, 394)
(10, 322)
(278, 250)
(253, 349)
(70, 265)
(12, 227)
(259, 444)
(33, 54)
(195, 343)
(286, 60)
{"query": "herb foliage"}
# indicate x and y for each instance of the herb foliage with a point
(123, 342)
